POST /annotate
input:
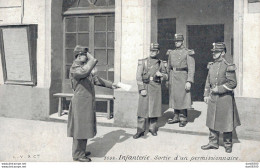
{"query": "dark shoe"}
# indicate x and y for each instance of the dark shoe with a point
(87, 153)
(138, 135)
(83, 159)
(173, 121)
(208, 146)
(153, 133)
(228, 150)
(182, 124)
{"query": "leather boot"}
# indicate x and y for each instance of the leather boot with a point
(138, 135)
(182, 123)
(208, 146)
(175, 119)
(228, 149)
(83, 159)
(154, 133)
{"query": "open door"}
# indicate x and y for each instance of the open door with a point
(166, 32)
(200, 38)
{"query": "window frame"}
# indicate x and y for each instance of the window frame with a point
(90, 14)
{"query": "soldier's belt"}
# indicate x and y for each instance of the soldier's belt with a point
(180, 69)
(158, 80)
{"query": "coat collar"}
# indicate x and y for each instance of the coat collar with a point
(153, 59)
(180, 48)
(219, 60)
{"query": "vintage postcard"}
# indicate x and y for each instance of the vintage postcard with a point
(129, 81)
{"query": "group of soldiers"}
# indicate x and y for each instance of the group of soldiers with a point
(222, 115)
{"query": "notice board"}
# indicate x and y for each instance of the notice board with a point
(18, 51)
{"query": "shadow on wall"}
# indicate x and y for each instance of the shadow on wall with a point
(101, 145)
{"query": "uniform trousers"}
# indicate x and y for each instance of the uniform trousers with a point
(141, 124)
(79, 148)
(214, 138)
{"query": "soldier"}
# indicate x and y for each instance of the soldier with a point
(222, 115)
(150, 73)
(82, 116)
(181, 69)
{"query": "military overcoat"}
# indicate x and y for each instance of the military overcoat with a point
(222, 114)
(82, 116)
(150, 105)
(180, 58)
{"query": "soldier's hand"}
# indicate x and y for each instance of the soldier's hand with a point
(159, 74)
(89, 56)
(206, 100)
(214, 90)
(143, 92)
(115, 86)
(187, 86)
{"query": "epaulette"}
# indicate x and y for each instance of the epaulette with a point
(140, 61)
(209, 64)
(191, 52)
(231, 68)
(168, 51)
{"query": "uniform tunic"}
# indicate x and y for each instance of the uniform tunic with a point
(150, 105)
(82, 116)
(179, 98)
(222, 113)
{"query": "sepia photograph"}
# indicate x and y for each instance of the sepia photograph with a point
(169, 81)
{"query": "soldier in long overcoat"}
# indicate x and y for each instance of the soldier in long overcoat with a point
(181, 69)
(82, 117)
(150, 73)
(222, 115)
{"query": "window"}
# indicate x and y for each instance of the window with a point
(89, 23)
(87, 4)
(95, 32)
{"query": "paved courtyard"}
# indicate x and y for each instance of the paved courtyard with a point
(33, 141)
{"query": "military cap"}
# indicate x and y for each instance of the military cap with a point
(218, 47)
(178, 37)
(154, 46)
(80, 50)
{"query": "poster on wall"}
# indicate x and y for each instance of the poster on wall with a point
(18, 51)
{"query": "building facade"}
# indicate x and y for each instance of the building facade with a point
(118, 33)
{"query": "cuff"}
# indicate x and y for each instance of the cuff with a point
(223, 89)
(206, 93)
(190, 80)
(140, 87)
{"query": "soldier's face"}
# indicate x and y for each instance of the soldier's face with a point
(82, 58)
(216, 55)
(153, 53)
(178, 43)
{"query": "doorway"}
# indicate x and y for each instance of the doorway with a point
(200, 38)
(166, 32)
